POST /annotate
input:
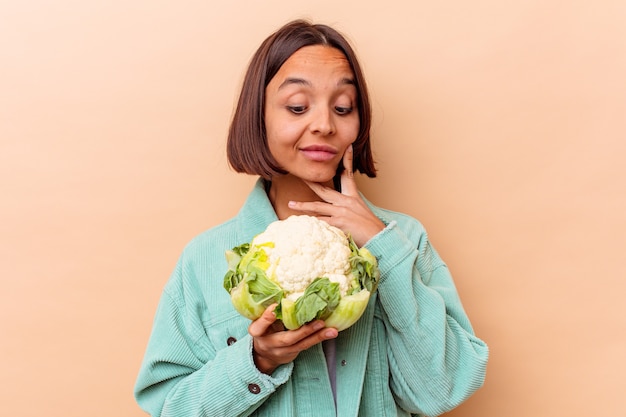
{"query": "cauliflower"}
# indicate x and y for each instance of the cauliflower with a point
(311, 269)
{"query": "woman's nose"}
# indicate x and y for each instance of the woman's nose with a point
(322, 122)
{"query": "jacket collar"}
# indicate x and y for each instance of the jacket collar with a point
(256, 213)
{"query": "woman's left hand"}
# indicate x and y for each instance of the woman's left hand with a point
(346, 209)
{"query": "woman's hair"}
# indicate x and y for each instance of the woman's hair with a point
(247, 148)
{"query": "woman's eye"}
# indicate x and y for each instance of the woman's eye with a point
(296, 109)
(343, 110)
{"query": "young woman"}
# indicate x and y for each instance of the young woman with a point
(302, 125)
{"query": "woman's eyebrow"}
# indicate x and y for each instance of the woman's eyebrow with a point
(298, 81)
(346, 80)
(307, 83)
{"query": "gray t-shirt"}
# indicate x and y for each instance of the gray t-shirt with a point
(328, 346)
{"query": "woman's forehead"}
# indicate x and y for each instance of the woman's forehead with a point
(311, 63)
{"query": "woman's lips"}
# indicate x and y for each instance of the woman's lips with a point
(318, 153)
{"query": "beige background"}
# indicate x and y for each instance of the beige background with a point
(499, 124)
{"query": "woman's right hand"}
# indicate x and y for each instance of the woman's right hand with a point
(273, 345)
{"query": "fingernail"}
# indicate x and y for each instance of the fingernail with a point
(318, 326)
(291, 204)
(331, 333)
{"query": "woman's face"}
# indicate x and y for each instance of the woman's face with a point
(310, 112)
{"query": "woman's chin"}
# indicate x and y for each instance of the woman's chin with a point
(322, 179)
(321, 176)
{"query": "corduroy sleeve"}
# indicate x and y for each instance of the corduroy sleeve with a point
(435, 359)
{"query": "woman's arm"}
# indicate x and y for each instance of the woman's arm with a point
(184, 374)
(436, 361)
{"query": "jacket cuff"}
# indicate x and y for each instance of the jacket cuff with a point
(250, 384)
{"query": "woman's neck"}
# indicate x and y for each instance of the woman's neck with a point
(286, 188)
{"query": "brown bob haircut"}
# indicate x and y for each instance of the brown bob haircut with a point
(247, 148)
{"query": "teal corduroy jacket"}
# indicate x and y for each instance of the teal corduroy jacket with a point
(413, 352)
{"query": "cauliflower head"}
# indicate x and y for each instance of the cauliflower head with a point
(311, 269)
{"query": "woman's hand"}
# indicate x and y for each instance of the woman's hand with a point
(274, 346)
(345, 210)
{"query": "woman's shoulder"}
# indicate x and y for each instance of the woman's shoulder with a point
(218, 236)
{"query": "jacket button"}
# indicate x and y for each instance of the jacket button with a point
(343, 362)
(231, 340)
(254, 388)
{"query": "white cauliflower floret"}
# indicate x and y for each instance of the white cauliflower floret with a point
(309, 269)
(304, 249)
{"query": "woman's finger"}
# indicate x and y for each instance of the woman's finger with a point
(327, 194)
(260, 326)
(314, 338)
(348, 184)
(305, 336)
(331, 214)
